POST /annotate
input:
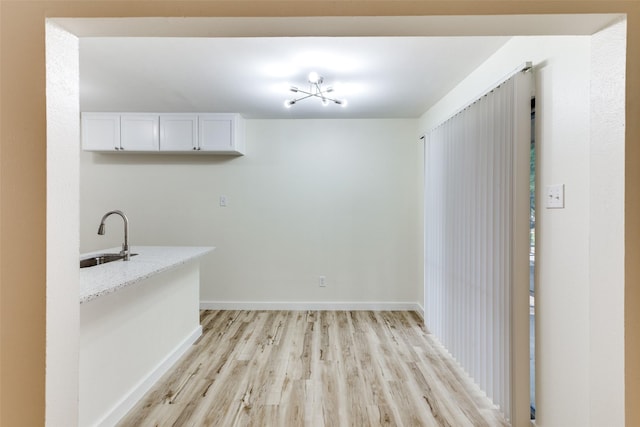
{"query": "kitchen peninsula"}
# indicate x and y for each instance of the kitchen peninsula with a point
(137, 318)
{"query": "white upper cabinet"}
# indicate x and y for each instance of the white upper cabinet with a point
(139, 132)
(211, 133)
(100, 131)
(222, 133)
(178, 132)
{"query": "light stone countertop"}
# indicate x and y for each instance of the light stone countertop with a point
(107, 278)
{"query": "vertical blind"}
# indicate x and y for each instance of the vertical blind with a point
(476, 241)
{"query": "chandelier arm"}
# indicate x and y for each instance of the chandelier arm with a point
(315, 95)
(319, 93)
(306, 93)
(303, 97)
(327, 98)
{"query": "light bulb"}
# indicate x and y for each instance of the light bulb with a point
(293, 89)
(314, 77)
(288, 103)
(343, 103)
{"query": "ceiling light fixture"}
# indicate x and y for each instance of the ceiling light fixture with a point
(315, 90)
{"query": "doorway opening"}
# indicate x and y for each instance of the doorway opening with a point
(63, 290)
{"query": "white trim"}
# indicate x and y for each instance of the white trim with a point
(419, 310)
(129, 401)
(305, 305)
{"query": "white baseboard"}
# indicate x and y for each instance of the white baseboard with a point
(129, 401)
(262, 305)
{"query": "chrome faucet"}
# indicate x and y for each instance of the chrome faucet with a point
(125, 246)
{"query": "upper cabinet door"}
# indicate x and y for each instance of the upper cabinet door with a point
(221, 133)
(216, 132)
(139, 132)
(178, 132)
(100, 131)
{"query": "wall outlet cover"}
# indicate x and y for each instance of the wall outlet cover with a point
(554, 196)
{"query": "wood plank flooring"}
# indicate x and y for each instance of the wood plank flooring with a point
(314, 368)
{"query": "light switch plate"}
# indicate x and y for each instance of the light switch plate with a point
(223, 201)
(554, 196)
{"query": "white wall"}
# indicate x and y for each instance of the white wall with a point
(63, 313)
(567, 390)
(338, 198)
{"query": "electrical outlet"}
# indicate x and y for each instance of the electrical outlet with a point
(322, 281)
(223, 201)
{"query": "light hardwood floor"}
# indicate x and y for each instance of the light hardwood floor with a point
(315, 368)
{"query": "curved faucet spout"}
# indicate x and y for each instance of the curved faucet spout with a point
(125, 246)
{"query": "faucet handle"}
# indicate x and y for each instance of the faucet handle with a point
(125, 252)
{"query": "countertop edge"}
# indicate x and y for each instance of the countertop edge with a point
(107, 284)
